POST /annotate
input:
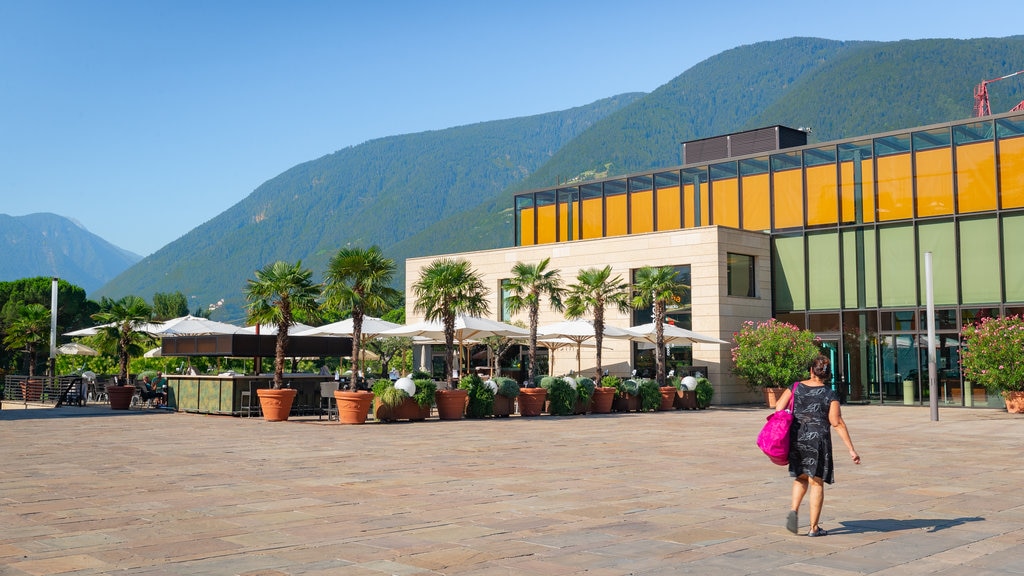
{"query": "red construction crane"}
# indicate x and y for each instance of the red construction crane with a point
(981, 106)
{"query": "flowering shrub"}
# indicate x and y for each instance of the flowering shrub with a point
(773, 354)
(994, 356)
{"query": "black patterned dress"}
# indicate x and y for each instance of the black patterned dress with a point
(810, 436)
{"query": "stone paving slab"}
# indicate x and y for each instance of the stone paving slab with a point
(88, 491)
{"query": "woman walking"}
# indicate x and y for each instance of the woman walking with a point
(815, 410)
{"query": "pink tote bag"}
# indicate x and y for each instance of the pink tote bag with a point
(773, 439)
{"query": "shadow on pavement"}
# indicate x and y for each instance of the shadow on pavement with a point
(18, 412)
(893, 525)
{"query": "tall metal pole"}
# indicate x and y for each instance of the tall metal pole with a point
(53, 328)
(933, 382)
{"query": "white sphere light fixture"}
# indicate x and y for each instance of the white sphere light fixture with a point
(492, 386)
(406, 384)
(690, 383)
(571, 381)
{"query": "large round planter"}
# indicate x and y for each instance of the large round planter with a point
(120, 396)
(276, 404)
(531, 401)
(1014, 402)
(601, 401)
(772, 395)
(451, 404)
(353, 406)
(668, 398)
(626, 403)
(409, 409)
(686, 400)
(503, 405)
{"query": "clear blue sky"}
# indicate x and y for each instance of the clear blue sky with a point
(143, 119)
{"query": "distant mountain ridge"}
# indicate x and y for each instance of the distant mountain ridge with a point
(45, 244)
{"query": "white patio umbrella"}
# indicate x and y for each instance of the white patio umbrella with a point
(191, 326)
(371, 327)
(579, 331)
(467, 329)
(157, 352)
(271, 329)
(76, 349)
(673, 335)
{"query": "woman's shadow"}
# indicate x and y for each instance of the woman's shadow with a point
(893, 525)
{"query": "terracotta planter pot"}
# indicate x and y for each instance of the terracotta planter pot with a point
(503, 405)
(353, 406)
(276, 404)
(451, 404)
(601, 402)
(686, 400)
(120, 396)
(582, 407)
(1014, 402)
(409, 409)
(668, 398)
(772, 395)
(627, 403)
(531, 401)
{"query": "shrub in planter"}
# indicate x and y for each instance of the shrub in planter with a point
(704, 392)
(994, 353)
(561, 396)
(425, 389)
(772, 354)
(385, 392)
(650, 395)
(481, 397)
(507, 387)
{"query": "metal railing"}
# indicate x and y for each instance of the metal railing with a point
(47, 390)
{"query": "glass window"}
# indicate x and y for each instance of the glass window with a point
(1013, 264)
(568, 205)
(944, 320)
(787, 190)
(725, 192)
(822, 190)
(939, 238)
(695, 197)
(973, 132)
(969, 316)
(546, 217)
(641, 204)
(899, 321)
(895, 187)
(525, 224)
(975, 167)
(823, 262)
(616, 208)
(860, 268)
(897, 144)
(898, 265)
(788, 275)
(1010, 127)
(668, 201)
(741, 275)
(857, 179)
(506, 315)
(934, 182)
(592, 208)
(756, 190)
(979, 261)
(819, 323)
(1011, 172)
(678, 314)
(928, 139)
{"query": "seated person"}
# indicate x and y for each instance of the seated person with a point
(149, 392)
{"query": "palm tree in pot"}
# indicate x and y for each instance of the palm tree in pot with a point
(122, 319)
(528, 284)
(658, 287)
(595, 290)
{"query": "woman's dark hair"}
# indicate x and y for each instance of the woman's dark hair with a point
(821, 367)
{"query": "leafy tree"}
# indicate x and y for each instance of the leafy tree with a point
(594, 291)
(660, 287)
(359, 280)
(122, 319)
(446, 288)
(773, 354)
(73, 308)
(528, 284)
(168, 305)
(29, 331)
(279, 292)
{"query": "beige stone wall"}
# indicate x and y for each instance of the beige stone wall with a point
(703, 249)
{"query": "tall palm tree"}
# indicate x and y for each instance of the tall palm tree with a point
(279, 293)
(446, 288)
(359, 280)
(529, 282)
(29, 331)
(122, 319)
(594, 291)
(660, 287)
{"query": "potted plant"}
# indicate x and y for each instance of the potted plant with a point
(279, 292)
(771, 355)
(704, 392)
(561, 395)
(604, 395)
(122, 320)
(480, 396)
(669, 393)
(584, 395)
(650, 394)
(505, 397)
(686, 396)
(627, 396)
(392, 400)
(994, 358)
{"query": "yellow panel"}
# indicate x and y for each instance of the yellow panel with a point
(563, 221)
(705, 205)
(642, 211)
(546, 224)
(867, 191)
(1011, 172)
(895, 187)
(934, 182)
(688, 206)
(593, 217)
(756, 202)
(615, 221)
(976, 177)
(526, 227)
(668, 208)
(727, 202)
(821, 195)
(789, 199)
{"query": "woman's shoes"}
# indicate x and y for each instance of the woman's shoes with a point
(791, 521)
(818, 532)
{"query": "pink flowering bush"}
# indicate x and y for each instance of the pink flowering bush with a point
(994, 354)
(773, 354)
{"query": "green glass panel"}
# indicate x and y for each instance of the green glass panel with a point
(823, 260)
(788, 274)
(939, 238)
(860, 289)
(1013, 264)
(979, 261)
(897, 266)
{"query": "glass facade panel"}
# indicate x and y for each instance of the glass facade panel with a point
(897, 264)
(788, 273)
(668, 204)
(788, 191)
(641, 204)
(1011, 172)
(895, 187)
(741, 275)
(939, 238)
(616, 208)
(592, 206)
(725, 195)
(934, 182)
(547, 212)
(695, 197)
(756, 202)
(857, 181)
(1013, 264)
(929, 139)
(979, 261)
(822, 203)
(823, 262)
(568, 205)
(525, 220)
(976, 177)
(860, 268)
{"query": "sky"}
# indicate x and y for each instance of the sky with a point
(143, 119)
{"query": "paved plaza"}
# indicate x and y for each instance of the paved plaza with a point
(89, 491)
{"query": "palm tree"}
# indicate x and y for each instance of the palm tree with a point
(279, 293)
(528, 284)
(658, 286)
(359, 280)
(446, 288)
(122, 320)
(594, 291)
(29, 331)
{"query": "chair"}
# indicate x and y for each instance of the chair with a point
(327, 393)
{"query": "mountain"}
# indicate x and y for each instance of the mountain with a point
(451, 190)
(50, 245)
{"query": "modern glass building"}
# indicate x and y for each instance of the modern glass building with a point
(848, 224)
